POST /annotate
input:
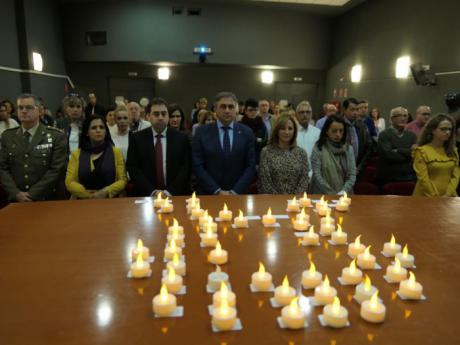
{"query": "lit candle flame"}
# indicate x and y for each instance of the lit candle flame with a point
(367, 251)
(345, 196)
(411, 279)
(223, 290)
(175, 223)
(322, 200)
(164, 293)
(223, 308)
(139, 260)
(175, 259)
(159, 197)
(397, 265)
(218, 249)
(305, 195)
(339, 229)
(294, 306)
(357, 241)
(140, 245)
(367, 283)
(294, 200)
(261, 269)
(240, 214)
(193, 197)
(336, 305)
(312, 270)
(326, 285)
(352, 266)
(171, 274)
(269, 212)
(374, 302)
(302, 213)
(405, 251)
(392, 241)
(285, 284)
(225, 207)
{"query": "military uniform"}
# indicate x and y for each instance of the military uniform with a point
(37, 167)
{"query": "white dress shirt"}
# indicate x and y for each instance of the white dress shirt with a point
(121, 141)
(306, 139)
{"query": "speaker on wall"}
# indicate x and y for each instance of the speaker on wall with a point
(423, 75)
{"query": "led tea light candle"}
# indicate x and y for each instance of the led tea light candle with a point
(197, 212)
(372, 310)
(176, 227)
(302, 215)
(293, 205)
(218, 256)
(172, 249)
(166, 207)
(406, 259)
(209, 238)
(351, 275)
(300, 225)
(140, 268)
(241, 221)
(225, 215)
(178, 238)
(391, 248)
(396, 273)
(261, 280)
(342, 205)
(356, 248)
(324, 209)
(223, 294)
(339, 237)
(284, 294)
(311, 278)
(324, 293)
(320, 203)
(366, 260)
(268, 219)
(216, 278)
(172, 281)
(328, 219)
(178, 265)
(327, 227)
(203, 218)
(310, 238)
(334, 315)
(158, 202)
(410, 288)
(305, 201)
(292, 316)
(346, 199)
(192, 200)
(364, 291)
(224, 317)
(164, 303)
(140, 249)
(210, 225)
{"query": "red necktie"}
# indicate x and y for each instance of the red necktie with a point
(160, 181)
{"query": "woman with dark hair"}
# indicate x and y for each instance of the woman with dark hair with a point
(283, 167)
(96, 170)
(436, 159)
(379, 122)
(333, 160)
(176, 117)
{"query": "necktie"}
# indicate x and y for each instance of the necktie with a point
(160, 180)
(26, 138)
(226, 144)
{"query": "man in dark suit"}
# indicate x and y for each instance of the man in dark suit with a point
(223, 153)
(93, 108)
(32, 156)
(159, 158)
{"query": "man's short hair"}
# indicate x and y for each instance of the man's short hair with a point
(156, 101)
(225, 94)
(301, 105)
(346, 103)
(30, 95)
(251, 102)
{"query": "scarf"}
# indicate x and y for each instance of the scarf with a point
(100, 172)
(334, 164)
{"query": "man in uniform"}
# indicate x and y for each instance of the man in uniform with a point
(32, 156)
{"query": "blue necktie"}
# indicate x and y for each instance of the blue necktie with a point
(226, 144)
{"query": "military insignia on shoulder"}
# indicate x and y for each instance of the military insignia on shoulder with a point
(55, 129)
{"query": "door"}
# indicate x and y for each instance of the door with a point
(131, 88)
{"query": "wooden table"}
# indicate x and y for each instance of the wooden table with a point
(63, 269)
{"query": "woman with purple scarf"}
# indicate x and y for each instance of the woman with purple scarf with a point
(96, 169)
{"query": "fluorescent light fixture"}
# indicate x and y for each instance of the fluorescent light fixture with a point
(37, 61)
(310, 2)
(266, 77)
(403, 67)
(163, 73)
(356, 73)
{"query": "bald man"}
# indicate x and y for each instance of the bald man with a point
(136, 123)
(421, 118)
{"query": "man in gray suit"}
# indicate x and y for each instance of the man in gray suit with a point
(32, 156)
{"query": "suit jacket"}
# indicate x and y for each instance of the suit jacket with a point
(37, 168)
(213, 169)
(141, 162)
(98, 110)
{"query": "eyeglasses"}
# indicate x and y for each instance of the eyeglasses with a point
(26, 107)
(445, 129)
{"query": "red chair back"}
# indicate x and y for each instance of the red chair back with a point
(399, 188)
(366, 188)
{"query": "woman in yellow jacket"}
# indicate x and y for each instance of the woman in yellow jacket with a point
(436, 159)
(96, 169)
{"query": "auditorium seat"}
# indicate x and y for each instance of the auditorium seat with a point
(399, 188)
(366, 188)
(369, 174)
